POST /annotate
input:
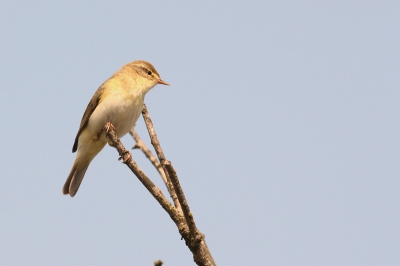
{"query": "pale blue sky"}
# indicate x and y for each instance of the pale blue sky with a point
(282, 121)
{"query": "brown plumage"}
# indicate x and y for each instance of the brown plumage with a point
(118, 100)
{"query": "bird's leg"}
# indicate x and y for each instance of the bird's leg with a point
(125, 157)
(108, 126)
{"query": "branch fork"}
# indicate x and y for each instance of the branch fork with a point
(179, 211)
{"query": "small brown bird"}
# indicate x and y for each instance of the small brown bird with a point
(119, 100)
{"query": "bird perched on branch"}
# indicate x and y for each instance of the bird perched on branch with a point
(119, 101)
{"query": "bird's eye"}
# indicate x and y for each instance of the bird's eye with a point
(149, 72)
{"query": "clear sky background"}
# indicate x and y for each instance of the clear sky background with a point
(282, 121)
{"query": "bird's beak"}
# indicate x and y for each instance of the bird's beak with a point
(160, 81)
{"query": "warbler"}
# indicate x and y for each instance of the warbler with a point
(119, 100)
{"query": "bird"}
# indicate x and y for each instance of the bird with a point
(119, 101)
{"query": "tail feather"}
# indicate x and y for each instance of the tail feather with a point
(74, 180)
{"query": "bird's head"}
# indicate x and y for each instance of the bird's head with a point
(146, 76)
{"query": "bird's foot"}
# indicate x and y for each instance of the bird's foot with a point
(109, 126)
(125, 157)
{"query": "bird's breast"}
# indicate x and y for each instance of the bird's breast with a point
(121, 109)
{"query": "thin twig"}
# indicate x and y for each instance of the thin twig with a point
(182, 199)
(142, 146)
(161, 157)
(153, 159)
(153, 135)
(168, 170)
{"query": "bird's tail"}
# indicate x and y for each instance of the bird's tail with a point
(75, 178)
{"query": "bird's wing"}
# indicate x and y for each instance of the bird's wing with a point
(94, 102)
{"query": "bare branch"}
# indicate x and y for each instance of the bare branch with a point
(153, 135)
(158, 263)
(142, 146)
(161, 157)
(196, 241)
(153, 159)
(195, 234)
(168, 169)
(126, 156)
(186, 225)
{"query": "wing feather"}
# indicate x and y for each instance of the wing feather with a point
(94, 102)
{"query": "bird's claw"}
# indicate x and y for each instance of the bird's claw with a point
(109, 126)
